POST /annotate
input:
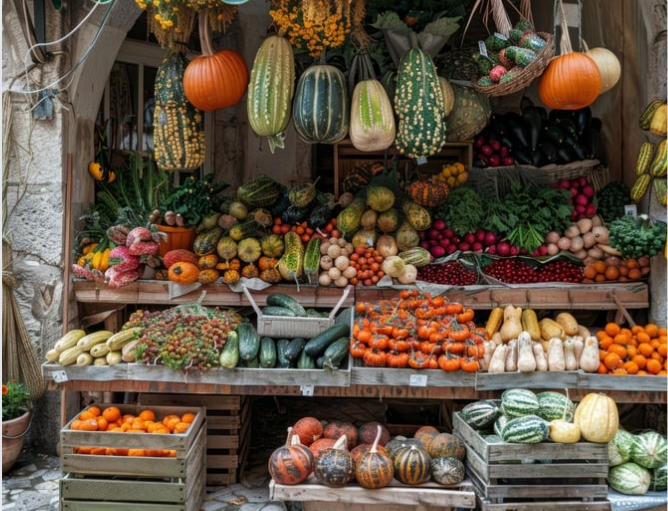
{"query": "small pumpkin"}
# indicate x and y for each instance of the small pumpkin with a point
(266, 262)
(598, 417)
(334, 467)
(447, 444)
(183, 273)
(208, 276)
(447, 470)
(399, 442)
(367, 433)
(608, 65)
(425, 435)
(207, 261)
(231, 277)
(570, 82)
(429, 193)
(336, 429)
(321, 445)
(361, 449)
(374, 469)
(271, 275)
(177, 255)
(309, 429)
(250, 271)
(360, 176)
(291, 463)
(412, 465)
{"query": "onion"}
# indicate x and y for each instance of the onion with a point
(326, 262)
(350, 272)
(577, 244)
(387, 246)
(341, 281)
(334, 251)
(581, 254)
(334, 273)
(552, 249)
(324, 279)
(393, 266)
(595, 253)
(589, 239)
(324, 247)
(342, 262)
(601, 234)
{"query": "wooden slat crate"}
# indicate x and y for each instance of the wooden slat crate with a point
(575, 472)
(228, 421)
(546, 505)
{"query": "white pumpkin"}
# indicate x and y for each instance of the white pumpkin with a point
(608, 65)
(598, 418)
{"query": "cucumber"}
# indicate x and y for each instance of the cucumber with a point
(305, 361)
(253, 363)
(229, 357)
(318, 344)
(267, 352)
(275, 310)
(249, 341)
(281, 361)
(294, 349)
(336, 352)
(283, 300)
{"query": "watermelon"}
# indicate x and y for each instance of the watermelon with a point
(499, 424)
(629, 478)
(619, 448)
(649, 449)
(658, 482)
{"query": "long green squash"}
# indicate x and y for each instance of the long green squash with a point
(320, 111)
(419, 106)
(372, 126)
(272, 85)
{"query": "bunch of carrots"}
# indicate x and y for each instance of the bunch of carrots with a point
(418, 331)
(640, 350)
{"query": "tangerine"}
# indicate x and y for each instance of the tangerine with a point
(181, 427)
(111, 413)
(600, 266)
(188, 417)
(95, 410)
(147, 415)
(612, 273)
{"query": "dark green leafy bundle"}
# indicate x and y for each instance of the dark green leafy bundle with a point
(194, 199)
(528, 213)
(637, 237)
(463, 212)
(610, 200)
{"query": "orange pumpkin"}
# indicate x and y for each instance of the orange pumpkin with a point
(208, 276)
(183, 273)
(250, 271)
(231, 277)
(265, 262)
(208, 261)
(214, 80)
(570, 82)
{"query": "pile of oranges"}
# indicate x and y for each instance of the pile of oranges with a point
(640, 350)
(112, 420)
(617, 270)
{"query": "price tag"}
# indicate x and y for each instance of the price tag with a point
(59, 376)
(482, 48)
(417, 380)
(500, 36)
(307, 390)
(630, 210)
(421, 160)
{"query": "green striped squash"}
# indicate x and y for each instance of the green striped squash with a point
(372, 125)
(649, 449)
(629, 478)
(320, 111)
(270, 91)
(528, 429)
(412, 465)
(554, 405)
(499, 424)
(480, 414)
(658, 482)
(419, 106)
(519, 402)
(619, 448)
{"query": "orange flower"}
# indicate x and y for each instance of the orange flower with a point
(5, 390)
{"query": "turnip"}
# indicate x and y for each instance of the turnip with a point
(438, 224)
(503, 248)
(552, 249)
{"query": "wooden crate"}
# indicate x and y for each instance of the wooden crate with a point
(228, 425)
(396, 497)
(546, 505)
(187, 446)
(575, 472)
(346, 158)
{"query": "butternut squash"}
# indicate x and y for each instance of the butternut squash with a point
(590, 358)
(511, 356)
(512, 323)
(539, 355)
(568, 323)
(570, 362)
(497, 364)
(526, 361)
(583, 332)
(549, 328)
(487, 357)
(494, 321)
(496, 339)
(555, 355)
(578, 346)
(530, 323)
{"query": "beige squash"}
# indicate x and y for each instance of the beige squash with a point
(598, 418)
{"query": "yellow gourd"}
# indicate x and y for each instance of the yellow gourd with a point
(598, 418)
(512, 323)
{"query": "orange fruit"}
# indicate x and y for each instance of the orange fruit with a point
(137, 425)
(640, 361)
(161, 430)
(642, 337)
(618, 349)
(662, 331)
(88, 425)
(111, 413)
(601, 368)
(136, 452)
(99, 451)
(102, 423)
(188, 417)
(128, 417)
(635, 274)
(600, 266)
(624, 271)
(169, 417)
(171, 424)
(171, 453)
(76, 424)
(612, 329)
(95, 410)
(147, 415)
(181, 427)
(663, 350)
(652, 330)
(645, 349)
(631, 367)
(85, 415)
(154, 453)
(653, 366)
(631, 263)
(612, 361)
(612, 273)
(590, 272)
(600, 278)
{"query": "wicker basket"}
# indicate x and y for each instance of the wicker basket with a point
(524, 77)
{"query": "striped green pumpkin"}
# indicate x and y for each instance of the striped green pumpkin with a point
(658, 482)
(270, 91)
(519, 402)
(480, 414)
(619, 448)
(372, 126)
(528, 429)
(320, 111)
(419, 106)
(554, 405)
(499, 424)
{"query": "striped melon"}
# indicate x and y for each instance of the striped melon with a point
(480, 414)
(528, 429)
(619, 448)
(320, 111)
(372, 125)
(499, 424)
(629, 478)
(658, 482)
(649, 449)
(519, 402)
(447, 470)
(270, 91)
(554, 405)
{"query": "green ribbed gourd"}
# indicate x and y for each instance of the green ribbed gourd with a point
(320, 111)
(271, 88)
(372, 126)
(419, 106)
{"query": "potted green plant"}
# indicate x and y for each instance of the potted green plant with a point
(16, 405)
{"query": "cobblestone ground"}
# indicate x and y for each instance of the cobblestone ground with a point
(32, 485)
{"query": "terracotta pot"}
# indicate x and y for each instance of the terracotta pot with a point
(177, 237)
(13, 434)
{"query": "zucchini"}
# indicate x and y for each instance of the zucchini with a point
(320, 342)
(253, 363)
(281, 361)
(305, 361)
(267, 352)
(229, 357)
(274, 310)
(336, 352)
(293, 350)
(287, 302)
(249, 341)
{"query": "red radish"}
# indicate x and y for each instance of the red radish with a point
(477, 246)
(490, 238)
(437, 251)
(438, 224)
(495, 160)
(591, 209)
(448, 233)
(503, 248)
(504, 151)
(581, 200)
(479, 142)
(496, 145)
(469, 238)
(480, 235)
(444, 242)
(487, 150)
(508, 161)
(463, 246)
(451, 249)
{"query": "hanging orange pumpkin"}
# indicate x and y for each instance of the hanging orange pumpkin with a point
(570, 82)
(214, 80)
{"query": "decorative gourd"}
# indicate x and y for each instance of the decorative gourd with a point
(446, 444)
(379, 198)
(447, 470)
(249, 250)
(302, 195)
(406, 236)
(271, 275)
(334, 467)
(428, 193)
(388, 221)
(207, 262)
(348, 220)
(598, 418)
(290, 265)
(321, 445)
(553, 406)
(272, 246)
(226, 248)
(417, 256)
(231, 277)
(412, 465)
(571, 81)
(374, 469)
(399, 442)
(564, 432)
(206, 242)
(320, 111)
(183, 273)
(417, 216)
(360, 449)
(250, 271)
(292, 463)
(308, 429)
(214, 80)
(179, 255)
(372, 126)
(360, 176)
(448, 96)
(336, 429)
(178, 127)
(260, 192)
(469, 115)
(418, 104)
(272, 85)
(619, 448)
(208, 276)
(608, 66)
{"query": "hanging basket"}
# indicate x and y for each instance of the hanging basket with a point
(523, 78)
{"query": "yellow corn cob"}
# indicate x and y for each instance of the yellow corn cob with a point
(68, 340)
(90, 340)
(120, 339)
(69, 356)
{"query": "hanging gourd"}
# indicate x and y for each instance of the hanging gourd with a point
(608, 65)
(272, 85)
(372, 126)
(320, 111)
(214, 80)
(572, 80)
